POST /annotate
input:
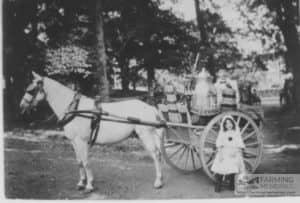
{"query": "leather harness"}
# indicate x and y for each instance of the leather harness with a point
(73, 106)
(95, 119)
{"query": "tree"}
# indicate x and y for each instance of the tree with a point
(17, 46)
(101, 63)
(216, 48)
(155, 39)
(286, 19)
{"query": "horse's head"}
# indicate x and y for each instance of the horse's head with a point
(34, 94)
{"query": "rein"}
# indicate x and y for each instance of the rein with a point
(105, 116)
(100, 115)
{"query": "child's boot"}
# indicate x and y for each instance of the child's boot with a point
(231, 187)
(218, 183)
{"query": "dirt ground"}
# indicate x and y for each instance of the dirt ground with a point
(41, 165)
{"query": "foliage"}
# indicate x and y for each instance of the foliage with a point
(67, 59)
(153, 38)
(286, 16)
(217, 48)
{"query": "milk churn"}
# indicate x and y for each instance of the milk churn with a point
(204, 99)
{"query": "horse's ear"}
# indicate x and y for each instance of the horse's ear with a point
(36, 76)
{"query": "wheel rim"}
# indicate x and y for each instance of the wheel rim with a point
(178, 151)
(251, 136)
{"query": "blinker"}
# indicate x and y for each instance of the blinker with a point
(30, 89)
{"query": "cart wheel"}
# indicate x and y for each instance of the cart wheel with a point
(178, 150)
(251, 136)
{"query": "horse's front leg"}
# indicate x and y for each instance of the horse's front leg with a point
(83, 148)
(82, 173)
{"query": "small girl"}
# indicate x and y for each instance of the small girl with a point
(229, 159)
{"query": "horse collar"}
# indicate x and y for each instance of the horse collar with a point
(73, 106)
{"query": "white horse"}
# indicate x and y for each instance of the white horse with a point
(78, 130)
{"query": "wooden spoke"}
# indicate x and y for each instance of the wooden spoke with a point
(193, 159)
(215, 134)
(216, 127)
(181, 156)
(249, 154)
(252, 144)
(211, 141)
(171, 144)
(210, 162)
(178, 141)
(249, 135)
(245, 127)
(174, 153)
(247, 162)
(211, 157)
(197, 153)
(238, 121)
(208, 150)
(187, 158)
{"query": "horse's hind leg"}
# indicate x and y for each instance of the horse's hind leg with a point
(82, 174)
(151, 143)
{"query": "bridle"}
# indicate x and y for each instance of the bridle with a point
(31, 94)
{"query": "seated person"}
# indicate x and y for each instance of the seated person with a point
(228, 96)
(255, 98)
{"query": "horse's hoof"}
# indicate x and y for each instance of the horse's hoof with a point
(80, 187)
(158, 185)
(88, 190)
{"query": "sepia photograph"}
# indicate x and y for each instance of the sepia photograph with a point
(150, 99)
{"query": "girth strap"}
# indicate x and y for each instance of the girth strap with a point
(95, 126)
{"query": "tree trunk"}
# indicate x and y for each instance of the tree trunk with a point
(124, 73)
(150, 80)
(287, 25)
(204, 38)
(151, 56)
(15, 50)
(293, 56)
(101, 73)
(200, 23)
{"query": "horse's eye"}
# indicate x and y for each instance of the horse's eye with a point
(31, 92)
(31, 89)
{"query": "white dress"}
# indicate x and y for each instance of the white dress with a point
(229, 155)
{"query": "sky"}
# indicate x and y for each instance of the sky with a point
(186, 10)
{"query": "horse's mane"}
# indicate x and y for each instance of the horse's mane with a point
(59, 96)
(67, 90)
(57, 85)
